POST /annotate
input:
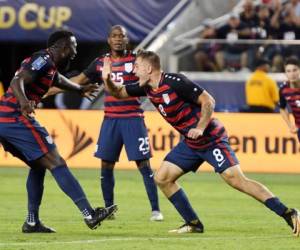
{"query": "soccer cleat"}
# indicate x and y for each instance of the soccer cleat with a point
(100, 215)
(39, 227)
(111, 217)
(292, 218)
(156, 216)
(188, 228)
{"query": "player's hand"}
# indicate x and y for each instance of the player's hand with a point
(27, 108)
(106, 70)
(293, 129)
(90, 91)
(194, 133)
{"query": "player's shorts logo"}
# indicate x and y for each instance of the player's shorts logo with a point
(128, 67)
(166, 98)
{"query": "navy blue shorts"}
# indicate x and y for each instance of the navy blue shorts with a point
(25, 139)
(116, 132)
(220, 156)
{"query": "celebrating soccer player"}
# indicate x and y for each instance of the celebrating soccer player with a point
(189, 108)
(26, 139)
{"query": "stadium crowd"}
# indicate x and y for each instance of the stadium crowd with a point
(267, 20)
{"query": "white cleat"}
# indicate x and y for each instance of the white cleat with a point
(156, 216)
(293, 220)
(188, 228)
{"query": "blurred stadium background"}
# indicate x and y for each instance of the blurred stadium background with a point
(179, 31)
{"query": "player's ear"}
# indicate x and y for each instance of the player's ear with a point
(126, 40)
(149, 68)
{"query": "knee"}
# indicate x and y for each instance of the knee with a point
(236, 181)
(51, 160)
(107, 164)
(142, 163)
(161, 181)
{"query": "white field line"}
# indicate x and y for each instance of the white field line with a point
(33, 243)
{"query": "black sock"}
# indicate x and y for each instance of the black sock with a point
(107, 185)
(148, 177)
(184, 208)
(35, 189)
(70, 186)
(276, 206)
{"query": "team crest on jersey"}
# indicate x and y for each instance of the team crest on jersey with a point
(166, 98)
(128, 67)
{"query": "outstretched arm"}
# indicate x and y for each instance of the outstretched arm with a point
(81, 79)
(89, 90)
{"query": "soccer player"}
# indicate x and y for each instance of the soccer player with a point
(26, 139)
(123, 122)
(188, 108)
(289, 93)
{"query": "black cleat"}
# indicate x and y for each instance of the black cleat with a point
(292, 218)
(111, 217)
(100, 215)
(39, 227)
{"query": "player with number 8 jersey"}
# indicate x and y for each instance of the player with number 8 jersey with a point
(188, 108)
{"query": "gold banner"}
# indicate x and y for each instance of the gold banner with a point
(262, 142)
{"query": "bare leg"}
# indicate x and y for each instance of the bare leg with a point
(235, 178)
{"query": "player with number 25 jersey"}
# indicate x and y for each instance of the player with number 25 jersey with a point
(123, 122)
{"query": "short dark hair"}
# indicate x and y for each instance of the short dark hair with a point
(261, 61)
(58, 35)
(118, 26)
(151, 57)
(292, 60)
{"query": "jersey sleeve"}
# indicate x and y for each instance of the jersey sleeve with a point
(187, 89)
(282, 100)
(93, 72)
(37, 66)
(135, 90)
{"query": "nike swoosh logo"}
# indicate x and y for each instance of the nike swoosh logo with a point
(151, 175)
(145, 152)
(221, 163)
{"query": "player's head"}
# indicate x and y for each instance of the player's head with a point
(292, 68)
(146, 63)
(64, 42)
(262, 64)
(117, 38)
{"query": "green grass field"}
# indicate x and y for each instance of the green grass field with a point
(232, 220)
